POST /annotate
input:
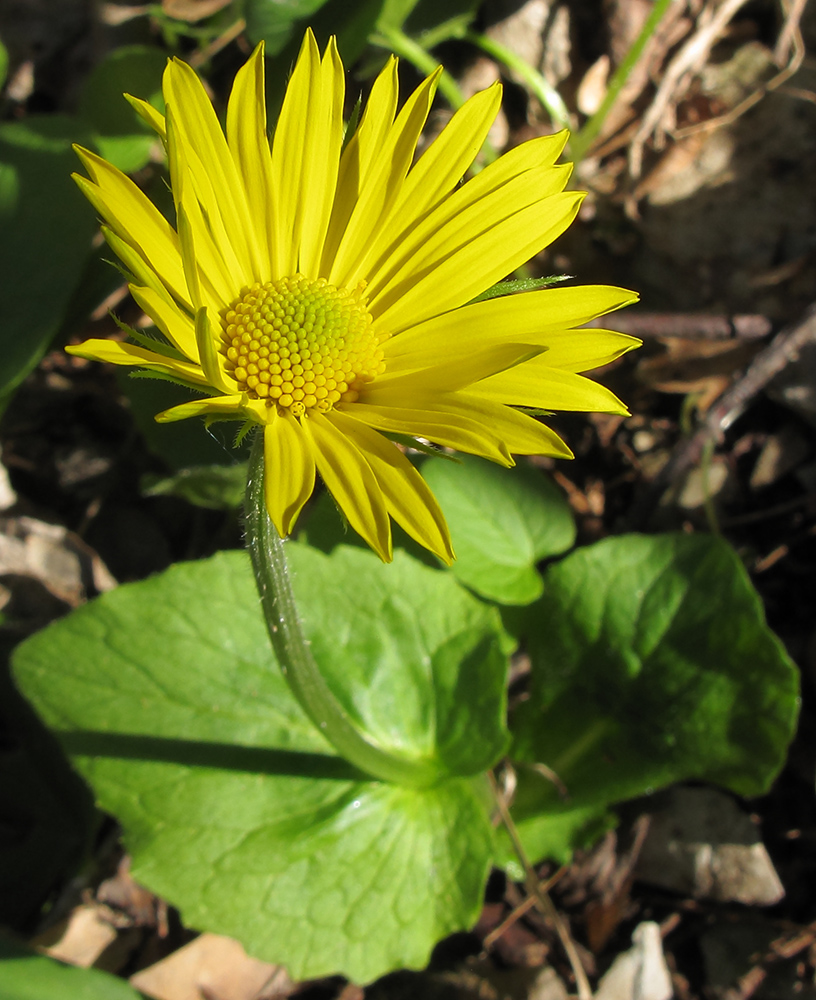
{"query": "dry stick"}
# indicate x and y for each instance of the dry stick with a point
(789, 37)
(687, 59)
(516, 915)
(197, 59)
(689, 326)
(542, 900)
(781, 351)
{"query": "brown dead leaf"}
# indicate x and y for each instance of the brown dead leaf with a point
(79, 939)
(592, 89)
(59, 559)
(137, 906)
(193, 10)
(211, 968)
(696, 366)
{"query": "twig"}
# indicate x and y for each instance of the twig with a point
(689, 326)
(781, 351)
(790, 36)
(777, 510)
(688, 59)
(542, 901)
(515, 915)
(235, 30)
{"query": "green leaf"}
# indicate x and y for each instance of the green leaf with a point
(4, 64)
(502, 522)
(651, 663)
(411, 655)
(45, 236)
(429, 15)
(118, 132)
(217, 487)
(25, 975)
(275, 21)
(234, 807)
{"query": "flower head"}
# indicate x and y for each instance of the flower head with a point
(325, 291)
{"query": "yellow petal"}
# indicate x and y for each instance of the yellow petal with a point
(383, 185)
(211, 360)
(138, 266)
(521, 434)
(249, 145)
(458, 221)
(149, 115)
(134, 219)
(350, 481)
(217, 406)
(287, 153)
(216, 180)
(483, 259)
(583, 350)
(188, 253)
(356, 159)
(535, 384)
(391, 251)
(321, 162)
(417, 417)
(214, 272)
(116, 353)
(450, 375)
(517, 433)
(410, 501)
(289, 471)
(176, 325)
(544, 317)
(439, 170)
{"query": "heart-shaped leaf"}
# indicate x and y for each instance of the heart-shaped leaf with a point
(502, 523)
(168, 698)
(651, 663)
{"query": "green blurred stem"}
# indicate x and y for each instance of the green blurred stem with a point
(407, 48)
(709, 507)
(294, 654)
(536, 83)
(581, 142)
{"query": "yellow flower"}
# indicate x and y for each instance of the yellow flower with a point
(322, 290)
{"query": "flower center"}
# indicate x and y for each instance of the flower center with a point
(301, 344)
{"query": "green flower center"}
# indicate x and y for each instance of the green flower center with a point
(301, 344)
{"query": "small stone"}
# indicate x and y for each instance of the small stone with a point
(701, 844)
(640, 973)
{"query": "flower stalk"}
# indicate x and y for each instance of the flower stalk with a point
(302, 674)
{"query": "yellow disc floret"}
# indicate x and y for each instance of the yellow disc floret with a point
(299, 344)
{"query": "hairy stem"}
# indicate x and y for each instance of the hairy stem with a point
(294, 654)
